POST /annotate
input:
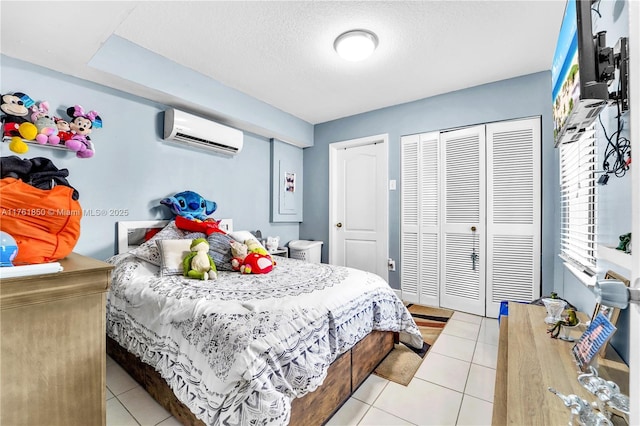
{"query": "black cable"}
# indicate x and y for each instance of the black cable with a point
(614, 156)
(596, 9)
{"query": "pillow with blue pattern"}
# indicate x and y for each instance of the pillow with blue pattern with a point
(220, 250)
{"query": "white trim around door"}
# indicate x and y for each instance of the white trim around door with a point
(336, 199)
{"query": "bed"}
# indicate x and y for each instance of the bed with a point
(287, 347)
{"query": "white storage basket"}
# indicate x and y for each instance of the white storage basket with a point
(309, 251)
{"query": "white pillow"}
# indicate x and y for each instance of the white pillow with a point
(172, 252)
(149, 252)
(242, 236)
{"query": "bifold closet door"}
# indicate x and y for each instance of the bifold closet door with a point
(471, 216)
(419, 217)
(462, 201)
(513, 212)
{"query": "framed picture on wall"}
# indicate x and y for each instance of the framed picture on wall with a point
(290, 182)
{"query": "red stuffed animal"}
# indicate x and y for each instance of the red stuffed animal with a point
(208, 226)
(256, 263)
(64, 130)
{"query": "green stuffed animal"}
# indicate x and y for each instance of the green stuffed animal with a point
(254, 246)
(198, 263)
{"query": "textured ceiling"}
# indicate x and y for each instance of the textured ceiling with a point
(282, 52)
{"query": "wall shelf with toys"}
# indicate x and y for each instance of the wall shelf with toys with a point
(8, 139)
(26, 122)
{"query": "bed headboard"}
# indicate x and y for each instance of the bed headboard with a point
(131, 233)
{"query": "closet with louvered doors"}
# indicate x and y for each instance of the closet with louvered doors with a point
(471, 216)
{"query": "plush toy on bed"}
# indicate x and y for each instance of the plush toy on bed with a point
(256, 263)
(239, 251)
(198, 263)
(254, 246)
(248, 262)
(191, 210)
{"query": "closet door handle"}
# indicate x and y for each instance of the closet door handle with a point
(339, 225)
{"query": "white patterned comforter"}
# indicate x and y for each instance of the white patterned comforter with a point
(238, 349)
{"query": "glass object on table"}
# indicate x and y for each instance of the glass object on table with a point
(567, 331)
(554, 309)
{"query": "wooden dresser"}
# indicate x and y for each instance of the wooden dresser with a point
(529, 361)
(52, 346)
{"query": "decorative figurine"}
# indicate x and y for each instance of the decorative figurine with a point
(608, 393)
(581, 408)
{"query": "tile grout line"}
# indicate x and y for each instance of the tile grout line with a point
(126, 409)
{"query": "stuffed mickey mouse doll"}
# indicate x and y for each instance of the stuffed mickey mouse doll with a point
(15, 124)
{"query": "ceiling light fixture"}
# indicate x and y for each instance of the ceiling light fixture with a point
(356, 45)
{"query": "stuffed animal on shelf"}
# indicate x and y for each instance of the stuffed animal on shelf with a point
(14, 122)
(45, 124)
(64, 130)
(81, 125)
(198, 263)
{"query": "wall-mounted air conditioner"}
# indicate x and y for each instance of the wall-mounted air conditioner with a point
(185, 128)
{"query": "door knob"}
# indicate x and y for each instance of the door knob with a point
(339, 224)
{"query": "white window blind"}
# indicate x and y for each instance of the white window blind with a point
(578, 192)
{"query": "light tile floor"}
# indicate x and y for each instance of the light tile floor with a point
(453, 386)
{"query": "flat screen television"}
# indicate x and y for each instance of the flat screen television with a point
(578, 95)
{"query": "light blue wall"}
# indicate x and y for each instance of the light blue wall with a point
(132, 62)
(614, 199)
(133, 168)
(286, 206)
(525, 96)
(519, 97)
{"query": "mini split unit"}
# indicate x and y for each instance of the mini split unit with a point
(184, 128)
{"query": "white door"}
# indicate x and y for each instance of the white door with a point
(463, 258)
(359, 205)
(471, 216)
(419, 245)
(513, 212)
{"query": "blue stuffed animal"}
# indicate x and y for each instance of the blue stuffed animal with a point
(190, 205)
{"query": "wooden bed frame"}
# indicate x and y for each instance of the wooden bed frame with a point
(344, 376)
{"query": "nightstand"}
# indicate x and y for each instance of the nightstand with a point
(53, 350)
(281, 251)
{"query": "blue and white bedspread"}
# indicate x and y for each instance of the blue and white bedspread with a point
(237, 350)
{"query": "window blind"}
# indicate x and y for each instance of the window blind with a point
(578, 192)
